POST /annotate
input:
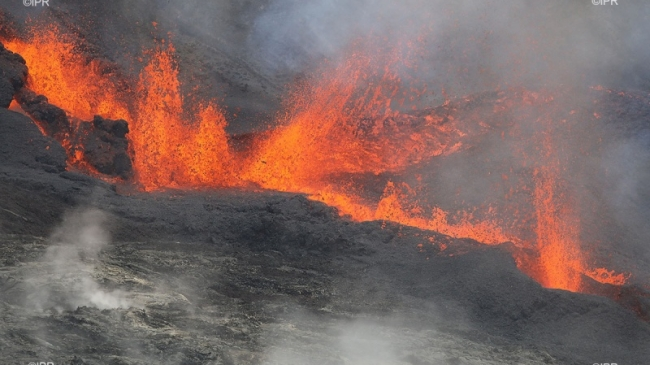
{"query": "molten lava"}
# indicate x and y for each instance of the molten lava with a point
(81, 86)
(399, 204)
(170, 149)
(344, 122)
(347, 121)
(560, 257)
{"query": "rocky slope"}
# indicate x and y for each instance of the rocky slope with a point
(234, 277)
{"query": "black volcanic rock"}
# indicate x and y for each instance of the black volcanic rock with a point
(103, 141)
(51, 118)
(116, 128)
(106, 147)
(13, 73)
(6, 92)
(22, 143)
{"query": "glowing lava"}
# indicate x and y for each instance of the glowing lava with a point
(560, 257)
(171, 149)
(399, 204)
(81, 86)
(346, 121)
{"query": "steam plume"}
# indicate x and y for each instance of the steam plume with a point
(70, 262)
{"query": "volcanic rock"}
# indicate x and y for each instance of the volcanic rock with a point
(103, 141)
(106, 147)
(13, 73)
(23, 144)
(50, 118)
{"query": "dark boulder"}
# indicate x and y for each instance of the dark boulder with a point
(106, 147)
(50, 118)
(102, 141)
(13, 73)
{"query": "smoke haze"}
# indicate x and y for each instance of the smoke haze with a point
(70, 262)
(468, 46)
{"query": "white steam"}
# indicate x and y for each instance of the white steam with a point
(356, 343)
(69, 265)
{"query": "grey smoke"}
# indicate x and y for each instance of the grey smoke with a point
(358, 343)
(469, 45)
(627, 173)
(69, 264)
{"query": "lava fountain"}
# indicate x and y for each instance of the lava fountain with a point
(349, 119)
(172, 150)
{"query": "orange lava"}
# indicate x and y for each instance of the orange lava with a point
(78, 85)
(346, 121)
(560, 256)
(170, 148)
(605, 276)
(14, 106)
(399, 204)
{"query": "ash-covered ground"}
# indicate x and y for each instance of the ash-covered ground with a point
(96, 273)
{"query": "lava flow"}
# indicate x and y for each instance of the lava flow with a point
(343, 122)
(347, 121)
